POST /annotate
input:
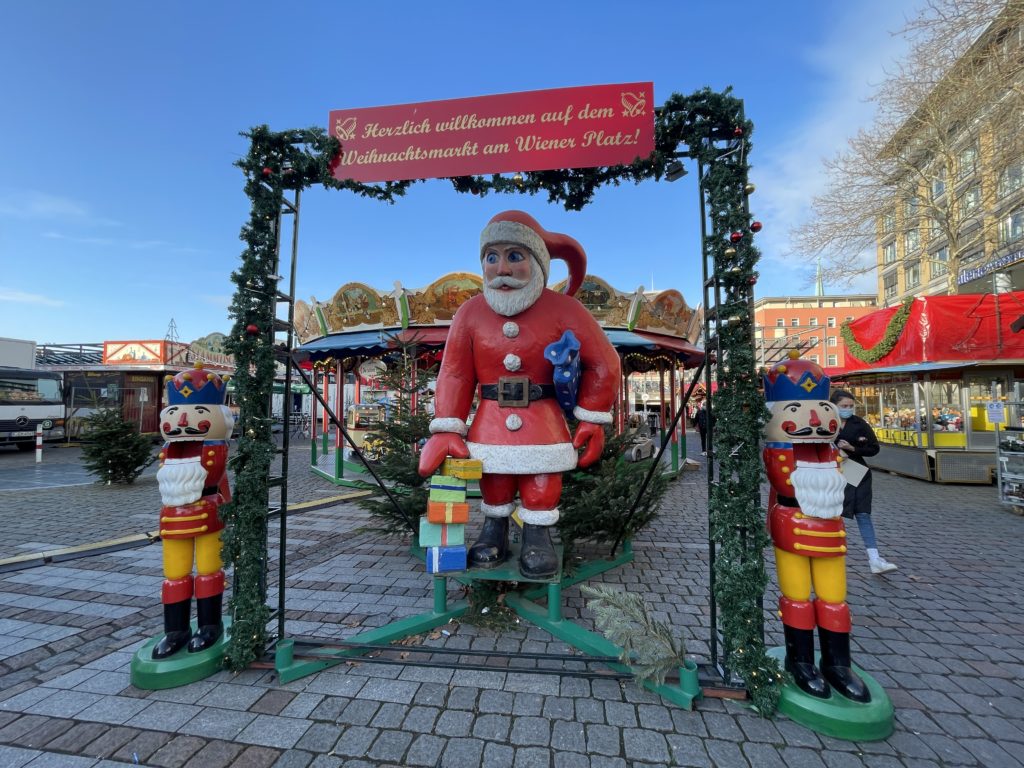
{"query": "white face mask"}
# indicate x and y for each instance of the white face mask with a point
(845, 413)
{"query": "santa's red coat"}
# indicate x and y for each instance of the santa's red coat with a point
(483, 347)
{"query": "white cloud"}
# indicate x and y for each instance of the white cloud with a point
(20, 297)
(114, 242)
(851, 61)
(44, 206)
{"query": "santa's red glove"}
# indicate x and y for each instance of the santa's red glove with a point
(591, 436)
(438, 448)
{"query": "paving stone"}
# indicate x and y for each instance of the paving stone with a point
(359, 712)
(214, 723)
(531, 731)
(111, 741)
(688, 750)
(619, 713)
(15, 757)
(397, 691)
(320, 737)
(589, 711)
(603, 740)
(454, 723)
(390, 716)
(164, 716)
(176, 752)
(302, 705)
(257, 757)
(390, 746)
(498, 702)
(274, 731)
(115, 710)
(571, 760)
(141, 746)
(528, 704)
(459, 753)
(498, 755)
(532, 757)
(763, 755)
(76, 738)
(55, 760)
(462, 697)
(568, 736)
(218, 754)
(421, 719)
(645, 745)
(425, 750)
(558, 708)
(272, 702)
(355, 740)
(794, 757)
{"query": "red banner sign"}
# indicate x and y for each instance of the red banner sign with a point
(584, 127)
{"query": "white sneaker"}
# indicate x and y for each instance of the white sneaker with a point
(881, 565)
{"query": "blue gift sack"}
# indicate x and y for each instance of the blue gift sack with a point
(564, 354)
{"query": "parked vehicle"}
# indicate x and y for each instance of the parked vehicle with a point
(29, 398)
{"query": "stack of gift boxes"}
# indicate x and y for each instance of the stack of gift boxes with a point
(443, 528)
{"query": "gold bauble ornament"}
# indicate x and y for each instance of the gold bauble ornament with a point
(749, 189)
(730, 252)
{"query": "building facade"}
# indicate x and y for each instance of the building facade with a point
(956, 222)
(810, 324)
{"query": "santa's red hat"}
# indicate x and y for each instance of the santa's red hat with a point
(521, 228)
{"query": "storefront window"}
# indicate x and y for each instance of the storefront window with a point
(901, 414)
(1011, 179)
(946, 414)
(983, 389)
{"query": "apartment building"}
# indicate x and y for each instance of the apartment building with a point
(810, 324)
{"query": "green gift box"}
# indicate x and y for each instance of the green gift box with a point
(447, 488)
(441, 534)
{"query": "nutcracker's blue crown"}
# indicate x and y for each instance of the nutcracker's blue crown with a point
(796, 379)
(195, 387)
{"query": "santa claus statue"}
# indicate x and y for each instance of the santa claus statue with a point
(496, 348)
(193, 484)
(805, 505)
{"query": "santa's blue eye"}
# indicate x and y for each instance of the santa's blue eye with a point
(491, 258)
(515, 256)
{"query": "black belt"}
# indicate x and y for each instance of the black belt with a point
(516, 391)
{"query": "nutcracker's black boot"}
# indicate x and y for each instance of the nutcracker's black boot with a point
(177, 629)
(210, 623)
(491, 548)
(800, 662)
(836, 666)
(537, 560)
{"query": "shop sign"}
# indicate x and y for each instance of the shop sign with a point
(581, 127)
(967, 275)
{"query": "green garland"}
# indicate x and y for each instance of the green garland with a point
(887, 343)
(706, 126)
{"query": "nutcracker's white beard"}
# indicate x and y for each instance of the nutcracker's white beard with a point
(181, 481)
(509, 303)
(819, 488)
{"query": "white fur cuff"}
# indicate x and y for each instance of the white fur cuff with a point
(497, 510)
(594, 417)
(539, 516)
(448, 424)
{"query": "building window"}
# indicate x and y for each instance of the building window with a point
(939, 184)
(795, 322)
(911, 208)
(833, 360)
(934, 228)
(967, 161)
(779, 322)
(911, 241)
(814, 322)
(889, 253)
(780, 333)
(940, 262)
(833, 341)
(1011, 179)
(813, 358)
(814, 341)
(912, 276)
(889, 223)
(831, 322)
(970, 201)
(1011, 228)
(849, 318)
(889, 285)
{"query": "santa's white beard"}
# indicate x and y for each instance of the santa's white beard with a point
(819, 489)
(181, 481)
(509, 303)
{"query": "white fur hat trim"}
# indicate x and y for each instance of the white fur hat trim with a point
(448, 424)
(594, 417)
(539, 516)
(512, 362)
(520, 234)
(497, 510)
(524, 459)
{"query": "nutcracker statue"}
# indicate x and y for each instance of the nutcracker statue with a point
(506, 346)
(805, 506)
(193, 484)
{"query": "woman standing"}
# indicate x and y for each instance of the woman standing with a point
(857, 440)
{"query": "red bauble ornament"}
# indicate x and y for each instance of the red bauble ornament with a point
(737, 131)
(252, 329)
(736, 236)
(755, 226)
(752, 279)
(267, 171)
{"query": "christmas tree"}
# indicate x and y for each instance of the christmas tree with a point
(115, 451)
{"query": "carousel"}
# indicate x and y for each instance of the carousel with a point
(347, 341)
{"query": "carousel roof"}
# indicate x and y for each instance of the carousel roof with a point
(359, 320)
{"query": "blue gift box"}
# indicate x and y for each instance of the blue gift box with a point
(441, 559)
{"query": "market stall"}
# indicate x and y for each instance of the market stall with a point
(927, 374)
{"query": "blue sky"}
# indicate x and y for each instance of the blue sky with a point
(120, 207)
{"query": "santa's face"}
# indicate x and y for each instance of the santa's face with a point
(512, 279)
(195, 422)
(803, 421)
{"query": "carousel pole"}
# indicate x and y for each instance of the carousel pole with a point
(674, 437)
(339, 408)
(661, 399)
(326, 422)
(314, 402)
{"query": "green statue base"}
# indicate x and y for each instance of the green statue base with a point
(182, 668)
(838, 716)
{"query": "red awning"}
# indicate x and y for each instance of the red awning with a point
(431, 336)
(694, 355)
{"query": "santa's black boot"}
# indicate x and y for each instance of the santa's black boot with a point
(177, 629)
(537, 560)
(211, 626)
(800, 662)
(491, 548)
(837, 668)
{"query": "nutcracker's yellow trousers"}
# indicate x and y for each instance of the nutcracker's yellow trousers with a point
(178, 557)
(799, 574)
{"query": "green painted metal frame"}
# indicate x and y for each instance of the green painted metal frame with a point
(548, 618)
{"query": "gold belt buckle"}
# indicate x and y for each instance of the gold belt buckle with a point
(507, 391)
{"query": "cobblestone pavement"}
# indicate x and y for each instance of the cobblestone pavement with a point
(944, 635)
